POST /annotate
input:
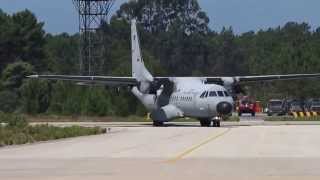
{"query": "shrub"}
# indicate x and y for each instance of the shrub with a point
(8, 101)
(17, 131)
(14, 120)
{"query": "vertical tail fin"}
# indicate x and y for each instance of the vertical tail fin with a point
(139, 71)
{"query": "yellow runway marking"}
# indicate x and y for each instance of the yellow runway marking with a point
(195, 147)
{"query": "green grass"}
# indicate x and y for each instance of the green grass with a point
(233, 119)
(16, 130)
(291, 118)
(54, 118)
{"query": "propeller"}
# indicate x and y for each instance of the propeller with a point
(237, 88)
(233, 86)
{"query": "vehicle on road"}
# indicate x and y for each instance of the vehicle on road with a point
(247, 105)
(209, 99)
(295, 106)
(313, 105)
(277, 107)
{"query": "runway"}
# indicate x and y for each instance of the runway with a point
(140, 151)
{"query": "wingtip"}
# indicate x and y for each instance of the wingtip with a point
(33, 76)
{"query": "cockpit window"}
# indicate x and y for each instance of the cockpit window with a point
(212, 94)
(226, 93)
(206, 95)
(220, 93)
(202, 95)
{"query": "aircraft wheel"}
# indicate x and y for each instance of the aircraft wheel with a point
(216, 123)
(205, 123)
(157, 124)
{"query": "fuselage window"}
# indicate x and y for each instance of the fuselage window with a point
(212, 94)
(220, 93)
(226, 93)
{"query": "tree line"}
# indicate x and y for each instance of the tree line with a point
(176, 41)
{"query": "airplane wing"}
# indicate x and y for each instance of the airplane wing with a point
(90, 80)
(246, 79)
(130, 81)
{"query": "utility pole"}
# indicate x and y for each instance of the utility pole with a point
(92, 14)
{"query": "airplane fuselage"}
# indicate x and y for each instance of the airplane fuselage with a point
(191, 97)
(197, 99)
(201, 102)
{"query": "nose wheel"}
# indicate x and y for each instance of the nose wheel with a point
(207, 122)
(157, 124)
(216, 123)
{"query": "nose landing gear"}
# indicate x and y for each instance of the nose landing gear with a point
(216, 122)
(206, 122)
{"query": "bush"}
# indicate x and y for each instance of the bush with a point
(17, 131)
(13, 120)
(46, 132)
(8, 101)
(35, 96)
(14, 74)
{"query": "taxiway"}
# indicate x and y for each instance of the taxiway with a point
(140, 151)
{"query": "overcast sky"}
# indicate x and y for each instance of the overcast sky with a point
(243, 15)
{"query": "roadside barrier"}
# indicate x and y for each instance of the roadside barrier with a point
(305, 114)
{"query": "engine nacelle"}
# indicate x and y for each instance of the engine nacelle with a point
(233, 86)
(166, 113)
(146, 87)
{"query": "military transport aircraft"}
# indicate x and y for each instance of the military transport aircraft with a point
(209, 99)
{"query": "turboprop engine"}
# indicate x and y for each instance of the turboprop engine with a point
(155, 87)
(233, 86)
(166, 113)
(144, 87)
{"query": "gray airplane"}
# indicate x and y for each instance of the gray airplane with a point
(209, 99)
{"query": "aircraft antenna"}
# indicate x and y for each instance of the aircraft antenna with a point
(92, 14)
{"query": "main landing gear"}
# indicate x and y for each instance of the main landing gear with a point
(157, 123)
(207, 122)
(216, 123)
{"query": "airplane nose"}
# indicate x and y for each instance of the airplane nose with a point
(224, 108)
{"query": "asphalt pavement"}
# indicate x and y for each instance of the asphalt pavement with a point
(252, 150)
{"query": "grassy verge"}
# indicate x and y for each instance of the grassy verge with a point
(54, 118)
(16, 130)
(291, 118)
(233, 119)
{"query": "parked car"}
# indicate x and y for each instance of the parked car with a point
(295, 106)
(246, 105)
(313, 105)
(277, 107)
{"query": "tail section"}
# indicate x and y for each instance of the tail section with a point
(139, 71)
